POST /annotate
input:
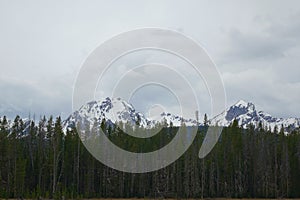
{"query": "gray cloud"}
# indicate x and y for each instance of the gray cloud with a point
(267, 40)
(246, 46)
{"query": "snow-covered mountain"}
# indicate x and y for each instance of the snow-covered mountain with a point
(176, 120)
(245, 113)
(9, 125)
(117, 110)
(112, 110)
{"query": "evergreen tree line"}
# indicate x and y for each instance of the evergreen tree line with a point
(48, 163)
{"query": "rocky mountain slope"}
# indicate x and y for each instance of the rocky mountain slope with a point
(245, 113)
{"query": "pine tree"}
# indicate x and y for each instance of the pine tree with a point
(205, 122)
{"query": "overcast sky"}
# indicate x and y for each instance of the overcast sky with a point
(255, 45)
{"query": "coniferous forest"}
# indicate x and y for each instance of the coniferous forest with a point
(48, 163)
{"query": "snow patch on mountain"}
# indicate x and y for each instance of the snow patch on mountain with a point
(245, 113)
(117, 110)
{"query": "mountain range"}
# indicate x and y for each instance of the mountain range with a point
(115, 110)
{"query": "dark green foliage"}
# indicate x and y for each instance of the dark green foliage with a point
(245, 163)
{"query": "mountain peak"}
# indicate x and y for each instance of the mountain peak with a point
(117, 110)
(245, 113)
(241, 109)
(242, 103)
